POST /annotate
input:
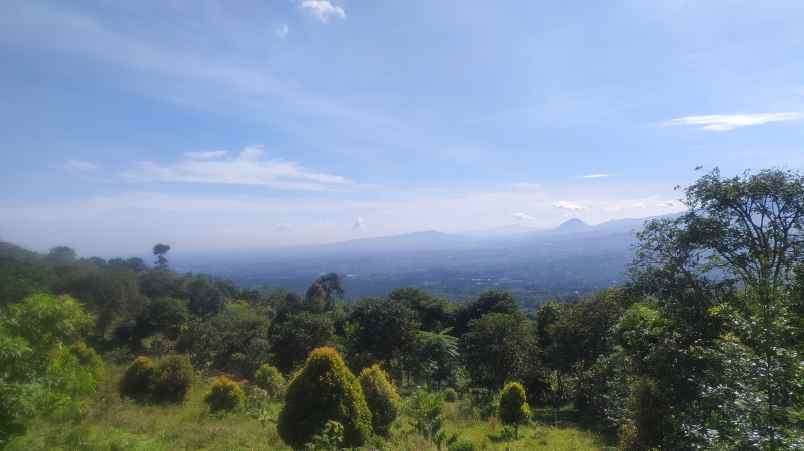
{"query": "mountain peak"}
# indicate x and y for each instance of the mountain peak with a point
(573, 225)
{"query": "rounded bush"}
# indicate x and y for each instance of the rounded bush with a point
(462, 445)
(514, 408)
(225, 395)
(450, 395)
(269, 379)
(139, 378)
(324, 390)
(381, 397)
(174, 376)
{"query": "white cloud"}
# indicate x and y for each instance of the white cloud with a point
(566, 205)
(247, 168)
(595, 176)
(668, 204)
(323, 10)
(206, 154)
(359, 225)
(80, 165)
(523, 216)
(282, 31)
(726, 122)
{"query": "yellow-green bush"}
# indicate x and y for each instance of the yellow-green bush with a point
(138, 381)
(225, 394)
(514, 408)
(269, 379)
(381, 397)
(450, 395)
(174, 376)
(324, 390)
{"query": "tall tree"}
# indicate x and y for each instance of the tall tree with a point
(160, 250)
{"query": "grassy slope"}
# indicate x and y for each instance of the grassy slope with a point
(114, 424)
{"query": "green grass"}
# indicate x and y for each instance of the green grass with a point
(112, 424)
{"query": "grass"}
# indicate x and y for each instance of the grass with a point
(112, 424)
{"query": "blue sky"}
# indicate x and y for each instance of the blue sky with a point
(228, 124)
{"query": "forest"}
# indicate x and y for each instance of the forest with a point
(701, 348)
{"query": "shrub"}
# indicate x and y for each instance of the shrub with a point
(514, 409)
(138, 380)
(381, 397)
(324, 390)
(174, 376)
(225, 395)
(462, 445)
(450, 395)
(269, 379)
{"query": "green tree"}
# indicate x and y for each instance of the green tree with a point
(225, 395)
(162, 315)
(324, 390)
(297, 335)
(381, 397)
(492, 301)
(160, 250)
(426, 412)
(269, 379)
(381, 331)
(497, 348)
(514, 408)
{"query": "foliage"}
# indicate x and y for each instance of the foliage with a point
(381, 331)
(45, 366)
(450, 395)
(462, 445)
(514, 408)
(489, 302)
(225, 395)
(435, 359)
(323, 390)
(269, 379)
(495, 349)
(297, 335)
(174, 374)
(162, 315)
(427, 417)
(381, 398)
(138, 381)
(331, 438)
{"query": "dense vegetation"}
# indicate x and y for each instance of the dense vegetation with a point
(701, 349)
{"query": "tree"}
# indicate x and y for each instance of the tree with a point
(743, 234)
(160, 250)
(381, 331)
(435, 359)
(269, 379)
(45, 367)
(62, 255)
(489, 302)
(162, 315)
(432, 314)
(297, 335)
(426, 412)
(381, 397)
(322, 293)
(324, 390)
(514, 408)
(495, 349)
(205, 297)
(225, 395)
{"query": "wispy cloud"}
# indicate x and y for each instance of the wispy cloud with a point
(247, 168)
(323, 10)
(80, 165)
(566, 205)
(205, 154)
(359, 225)
(595, 176)
(727, 122)
(523, 216)
(282, 31)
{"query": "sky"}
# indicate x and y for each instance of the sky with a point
(234, 124)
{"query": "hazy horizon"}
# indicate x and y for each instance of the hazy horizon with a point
(210, 125)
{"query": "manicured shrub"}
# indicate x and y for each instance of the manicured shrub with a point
(381, 397)
(462, 445)
(174, 376)
(138, 380)
(269, 379)
(514, 409)
(450, 395)
(324, 390)
(225, 395)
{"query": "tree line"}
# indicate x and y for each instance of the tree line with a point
(701, 349)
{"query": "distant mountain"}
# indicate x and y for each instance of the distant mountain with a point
(534, 264)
